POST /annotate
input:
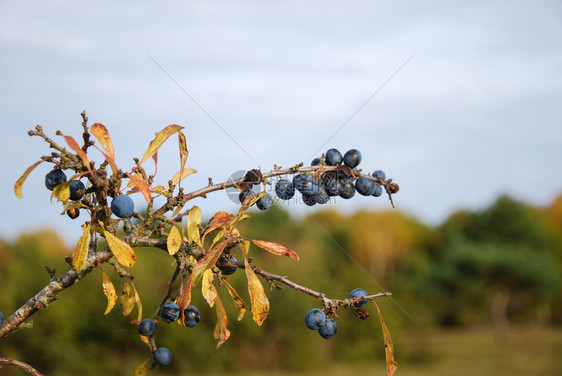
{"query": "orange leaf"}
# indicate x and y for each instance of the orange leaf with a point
(258, 299)
(137, 181)
(276, 249)
(388, 346)
(238, 302)
(121, 250)
(174, 241)
(207, 261)
(221, 331)
(74, 146)
(109, 292)
(80, 254)
(159, 140)
(21, 180)
(184, 299)
(102, 135)
(219, 219)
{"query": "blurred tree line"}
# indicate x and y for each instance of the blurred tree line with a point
(498, 266)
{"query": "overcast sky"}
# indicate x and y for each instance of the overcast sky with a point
(476, 111)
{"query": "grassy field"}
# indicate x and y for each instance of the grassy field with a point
(466, 352)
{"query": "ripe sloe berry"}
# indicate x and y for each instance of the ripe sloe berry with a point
(316, 161)
(378, 190)
(75, 186)
(365, 186)
(314, 318)
(244, 195)
(146, 327)
(379, 174)
(170, 312)
(333, 157)
(305, 184)
(352, 158)
(122, 206)
(265, 202)
(358, 293)
(346, 189)
(163, 356)
(54, 178)
(329, 329)
(192, 316)
(284, 189)
(228, 270)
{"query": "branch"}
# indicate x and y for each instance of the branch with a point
(16, 363)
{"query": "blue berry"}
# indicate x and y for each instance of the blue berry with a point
(1, 318)
(146, 327)
(378, 190)
(54, 178)
(122, 206)
(284, 189)
(365, 186)
(322, 196)
(305, 184)
(244, 195)
(346, 189)
(329, 329)
(170, 312)
(379, 174)
(75, 186)
(192, 316)
(310, 200)
(314, 318)
(333, 157)
(228, 270)
(163, 356)
(316, 161)
(265, 202)
(358, 293)
(352, 158)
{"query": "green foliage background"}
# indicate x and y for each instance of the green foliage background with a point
(440, 277)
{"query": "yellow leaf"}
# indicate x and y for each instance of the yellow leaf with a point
(221, 331)
(62, 192)
(258, 299)
(388, 346)
(159, 140)
(80, 254)
(180, 175)
(276, 249)
(238, 302)
(183, 151)
(207, 261)
(109, 292)
(184, 299)
(143, 368)
(138, 301)
(127, 299)
(194, 220)
(21, 180)
(207, 288)
(121, 250)
(174, 241)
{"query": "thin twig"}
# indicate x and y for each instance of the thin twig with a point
(24, 366)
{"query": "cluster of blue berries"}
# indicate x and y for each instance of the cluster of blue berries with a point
(316, 319)
(169, 313)
(331, 183)
(122, 205)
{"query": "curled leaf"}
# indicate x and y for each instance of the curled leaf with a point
(80, 254)
(174, 241)
(388, 346)
(183, 151)
(102, 135)
(221, 331)
(219, 219)
(276, 249)
(127, 299)
(121, 250)
(74, 146)
(138, 301)
(143, 368)
(160, 138)
(19, 183)
(109, 291)
(62, 192)
(258, 299)
(207, 261)
(140, 185)
(238, 302)
(180, 175)
(184, 299)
